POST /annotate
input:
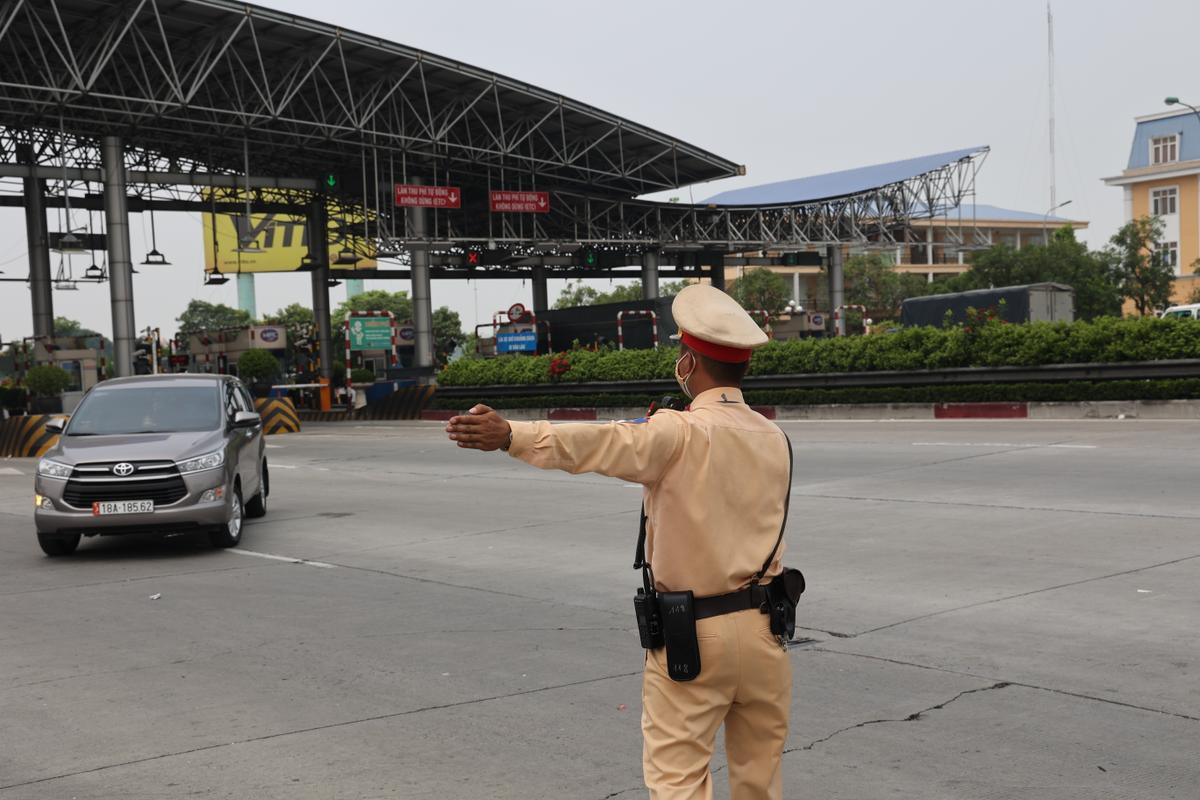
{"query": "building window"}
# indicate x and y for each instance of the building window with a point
(1164, 149)
(1162, 201)
(1169, 253)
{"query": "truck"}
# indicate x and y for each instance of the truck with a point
(1032, 302)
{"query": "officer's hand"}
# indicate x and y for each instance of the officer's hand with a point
(479, 429)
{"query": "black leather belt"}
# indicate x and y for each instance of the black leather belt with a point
(741, 600)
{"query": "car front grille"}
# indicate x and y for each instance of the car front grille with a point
(159, 481)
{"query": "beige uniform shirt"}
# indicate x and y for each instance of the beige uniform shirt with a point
(716, 478)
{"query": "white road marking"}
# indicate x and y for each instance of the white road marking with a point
(10, 471)
(277, 465)
(276, 446)
(1004, 444)
(288, 559)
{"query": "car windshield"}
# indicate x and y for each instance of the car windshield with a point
(147, 409)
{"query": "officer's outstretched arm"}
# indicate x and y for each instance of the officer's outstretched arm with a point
(634, 451)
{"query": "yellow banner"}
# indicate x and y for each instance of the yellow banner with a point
(274, 243)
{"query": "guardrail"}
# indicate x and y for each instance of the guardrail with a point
(1132, 370)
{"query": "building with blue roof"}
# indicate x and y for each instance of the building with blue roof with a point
(1162, 178)
(937, 246)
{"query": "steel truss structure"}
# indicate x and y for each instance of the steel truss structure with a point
(212, 89)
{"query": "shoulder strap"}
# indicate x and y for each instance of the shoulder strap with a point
(639, 555)
(787, 501)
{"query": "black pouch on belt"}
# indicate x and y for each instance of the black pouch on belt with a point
(783, 593)
(679, 634)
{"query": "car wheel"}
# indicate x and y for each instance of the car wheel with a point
(229, 534)
(257, 507)
(53, 545)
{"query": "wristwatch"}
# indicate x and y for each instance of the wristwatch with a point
(507, 442)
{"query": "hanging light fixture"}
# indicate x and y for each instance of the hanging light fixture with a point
(346, 257)
(69, 243)
(215, 278)
(94, 272)
(154, 258)
(332, 282)
(64, 280)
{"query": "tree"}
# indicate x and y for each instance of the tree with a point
(577, 294)
(376, 300)
(447, 332)
(47, 380)
(760, 288)
(65, 326)
(1145, 276)
(1063, 259)
(257, 366)
(204, 316)
(292, 317)
(871, 281)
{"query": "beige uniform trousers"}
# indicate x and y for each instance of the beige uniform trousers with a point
(745, 682)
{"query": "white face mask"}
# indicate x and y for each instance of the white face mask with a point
(682, 380)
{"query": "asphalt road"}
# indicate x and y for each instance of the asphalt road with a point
(996, 610)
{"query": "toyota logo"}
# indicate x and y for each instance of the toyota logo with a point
(122, 469)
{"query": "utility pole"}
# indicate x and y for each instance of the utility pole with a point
(1050, 48)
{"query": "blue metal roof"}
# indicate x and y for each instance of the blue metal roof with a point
(839, 184)
(1184, 124)
(982, 212)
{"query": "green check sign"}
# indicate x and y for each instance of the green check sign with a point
(370, 333)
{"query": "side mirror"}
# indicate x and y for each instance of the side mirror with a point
(55, 425)
(246, 419)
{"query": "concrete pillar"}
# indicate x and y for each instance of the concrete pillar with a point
(650, 275)
(354, 287)
(796, 286)
(318, 252)
(929, 245)
(422, 300)
(541, 295)
(120, 265)
(38, 241)
(245, 288)
(837, 286)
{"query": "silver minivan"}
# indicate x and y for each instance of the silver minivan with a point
(154, 454)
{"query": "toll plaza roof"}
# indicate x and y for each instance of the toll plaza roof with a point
(843, 183)
(219, 84)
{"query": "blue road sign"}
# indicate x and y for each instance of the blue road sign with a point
(522, 342)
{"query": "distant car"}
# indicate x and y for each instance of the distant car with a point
(154, 454)
(1190, 311)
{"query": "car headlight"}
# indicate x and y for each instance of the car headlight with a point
(201, 463)
(53, 469)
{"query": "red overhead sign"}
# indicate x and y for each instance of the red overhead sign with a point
(521, 202)
(415, 195)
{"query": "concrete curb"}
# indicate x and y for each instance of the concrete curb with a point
(1106, 409)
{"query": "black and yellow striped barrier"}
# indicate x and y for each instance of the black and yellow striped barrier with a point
(26, 437)
(405, 403)
(278, 415)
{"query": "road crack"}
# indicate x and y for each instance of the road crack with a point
(914, 717)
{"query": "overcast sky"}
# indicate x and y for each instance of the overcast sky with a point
(787, 88)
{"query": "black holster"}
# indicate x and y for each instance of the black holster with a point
(783, 593)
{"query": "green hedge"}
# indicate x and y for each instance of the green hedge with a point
(1072, 391)
(995, 344)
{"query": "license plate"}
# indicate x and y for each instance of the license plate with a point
(123, 507)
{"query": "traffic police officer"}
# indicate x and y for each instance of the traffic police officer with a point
(716, 480)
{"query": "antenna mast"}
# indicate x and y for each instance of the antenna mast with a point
(1050, 44)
